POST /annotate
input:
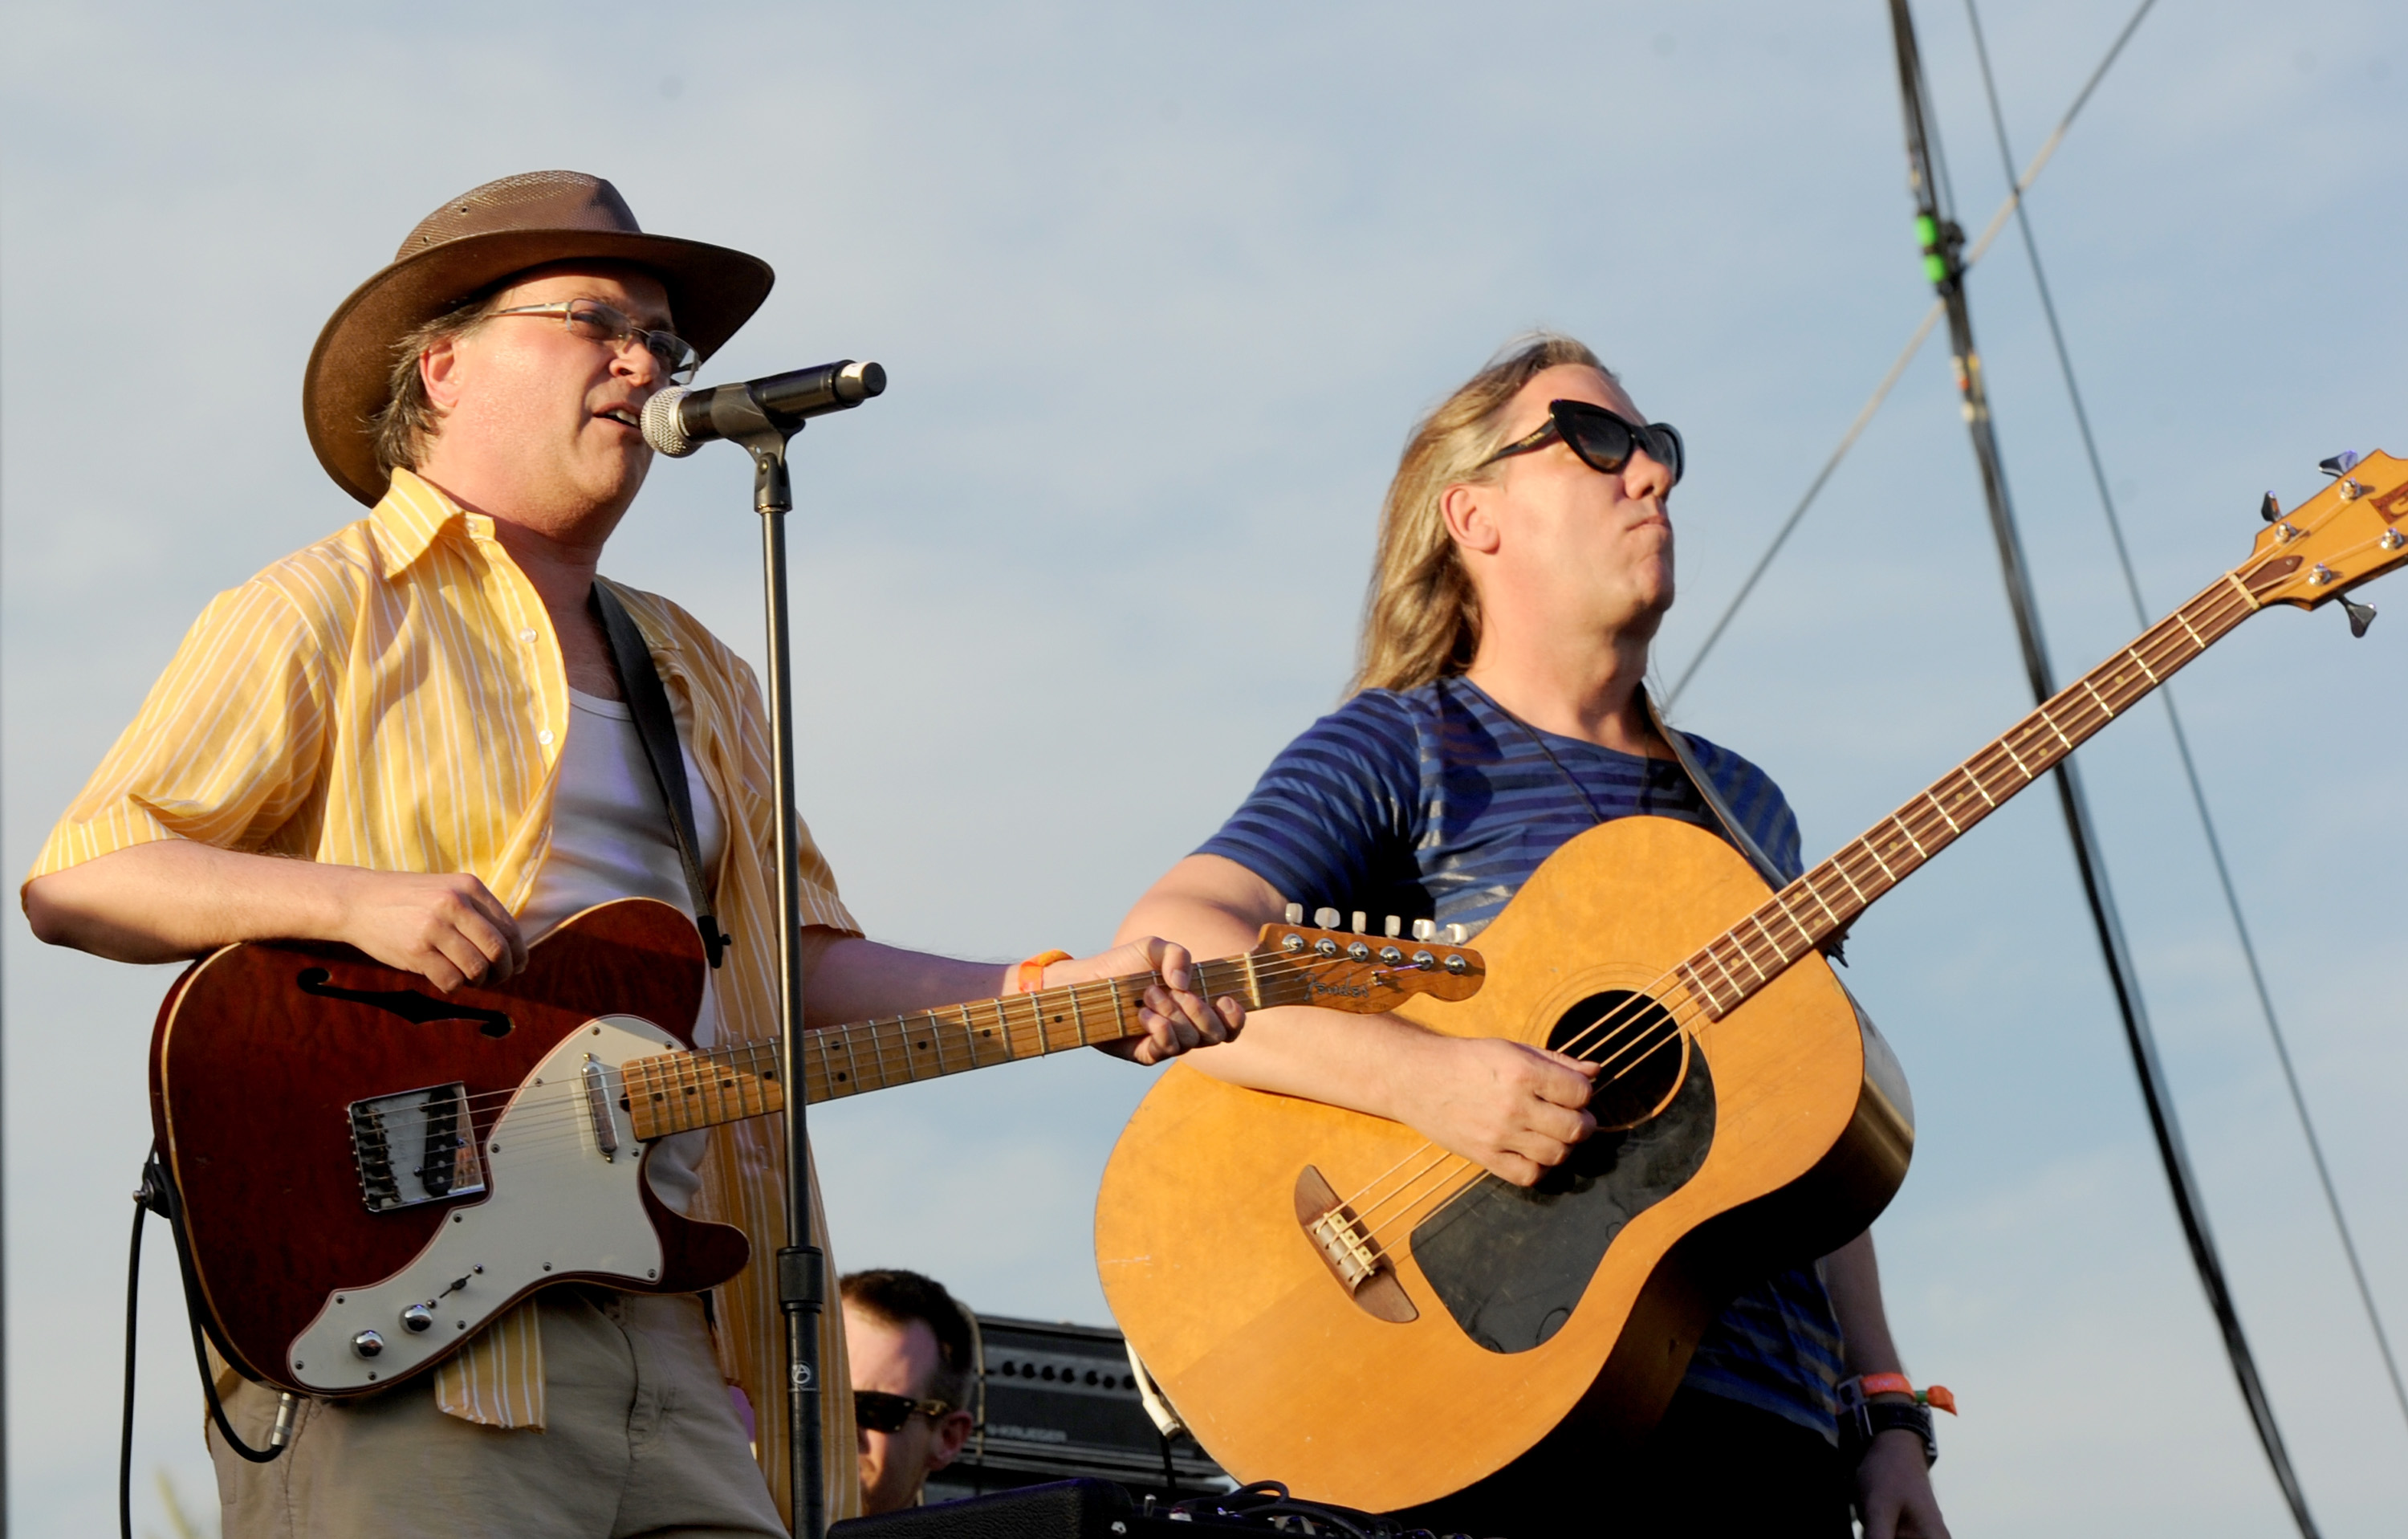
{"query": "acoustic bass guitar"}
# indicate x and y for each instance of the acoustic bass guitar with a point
(368, 1171)
(1378, 1322)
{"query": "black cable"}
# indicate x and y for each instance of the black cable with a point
(126, 1435)
(158, 1194)
(2017, 187)
(2182, 739)
(1943, 241)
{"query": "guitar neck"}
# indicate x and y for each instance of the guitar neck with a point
(1804, 916)
(679, 1092)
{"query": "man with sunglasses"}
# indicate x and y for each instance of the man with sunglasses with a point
(913, 1357)
(412, 737)
(1524, 563)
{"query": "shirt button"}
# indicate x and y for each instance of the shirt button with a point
(544, 737)
(527, 635)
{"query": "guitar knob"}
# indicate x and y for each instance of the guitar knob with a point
(1362, 924)
(1395, 927)
(1326, 918)
(1425, 929)
(417, 1319)
(1458, 934)
(1295, 914)
(368, 1344)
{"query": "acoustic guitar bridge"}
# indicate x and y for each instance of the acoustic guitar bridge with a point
(1345, 1246)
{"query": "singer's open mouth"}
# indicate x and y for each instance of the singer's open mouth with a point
(621, 415)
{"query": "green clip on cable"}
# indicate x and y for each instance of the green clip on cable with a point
(1935, 261)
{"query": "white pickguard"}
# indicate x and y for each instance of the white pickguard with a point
(555, 1206)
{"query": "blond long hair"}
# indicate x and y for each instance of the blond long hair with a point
(1421, 618)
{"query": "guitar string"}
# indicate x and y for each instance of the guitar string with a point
(544, 1116)
(1055, 1003)
(2150, 642)
(566, 1106)
(1272, 969)
(2214, 611)
(2147, 649)
(746, 1060)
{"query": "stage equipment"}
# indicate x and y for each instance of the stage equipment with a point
(678, 422)
(1943, 241)
(1097, 1509)
(741, 415)
(1060, 1402)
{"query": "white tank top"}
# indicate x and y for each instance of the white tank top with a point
(612, 837)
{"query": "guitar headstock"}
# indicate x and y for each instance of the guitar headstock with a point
(2351, 532)
(1366, 974)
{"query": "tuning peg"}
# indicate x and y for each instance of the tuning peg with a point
(1362, 923)
(2360, 616)
(1395, 927)
(2271, 509)
(2339, 464)
(1326, 918)
(1425, 929)
(1458, 934)
(1295, 914)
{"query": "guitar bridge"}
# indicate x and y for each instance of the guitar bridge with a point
(1345, 1246)
(415, 1146)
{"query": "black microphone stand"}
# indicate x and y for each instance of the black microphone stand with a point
(802, 1267)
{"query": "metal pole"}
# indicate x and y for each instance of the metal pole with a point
(1942, 243)
(802, 1280)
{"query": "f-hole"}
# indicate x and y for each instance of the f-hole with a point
(407, 1003)
(1644, 1052)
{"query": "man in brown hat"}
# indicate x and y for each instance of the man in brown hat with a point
(411, 737)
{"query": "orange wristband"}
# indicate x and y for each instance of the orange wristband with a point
(1938, 1397)
(1031, 973)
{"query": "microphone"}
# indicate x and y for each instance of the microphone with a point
(678, 422)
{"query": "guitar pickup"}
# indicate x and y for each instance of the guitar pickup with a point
(415, 1146)
(598, 1097)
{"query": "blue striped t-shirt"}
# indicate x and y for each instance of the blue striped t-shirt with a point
(1434, 803)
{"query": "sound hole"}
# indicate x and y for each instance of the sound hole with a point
(411, 1005)
(1643, 1050)
(1510, 1264)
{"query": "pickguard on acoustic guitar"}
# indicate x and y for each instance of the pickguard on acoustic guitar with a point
(1378, 1323)
(369, 1170)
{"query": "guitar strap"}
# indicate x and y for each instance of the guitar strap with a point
(1708, 792)
(647, 702)
(1713, 796)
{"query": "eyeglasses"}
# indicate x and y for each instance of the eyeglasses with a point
(881, 1412)
(600, 323)
(1604, 441)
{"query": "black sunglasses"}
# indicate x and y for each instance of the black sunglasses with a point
(1604, 441)
(881, 1412)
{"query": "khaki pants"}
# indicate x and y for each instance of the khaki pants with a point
(641, 1441)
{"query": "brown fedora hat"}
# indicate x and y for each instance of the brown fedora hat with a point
(470, 244)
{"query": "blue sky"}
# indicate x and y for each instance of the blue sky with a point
(1161, 291)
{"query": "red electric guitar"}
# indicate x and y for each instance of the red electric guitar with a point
(369, 1170)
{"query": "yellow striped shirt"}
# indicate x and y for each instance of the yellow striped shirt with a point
(393, 697)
